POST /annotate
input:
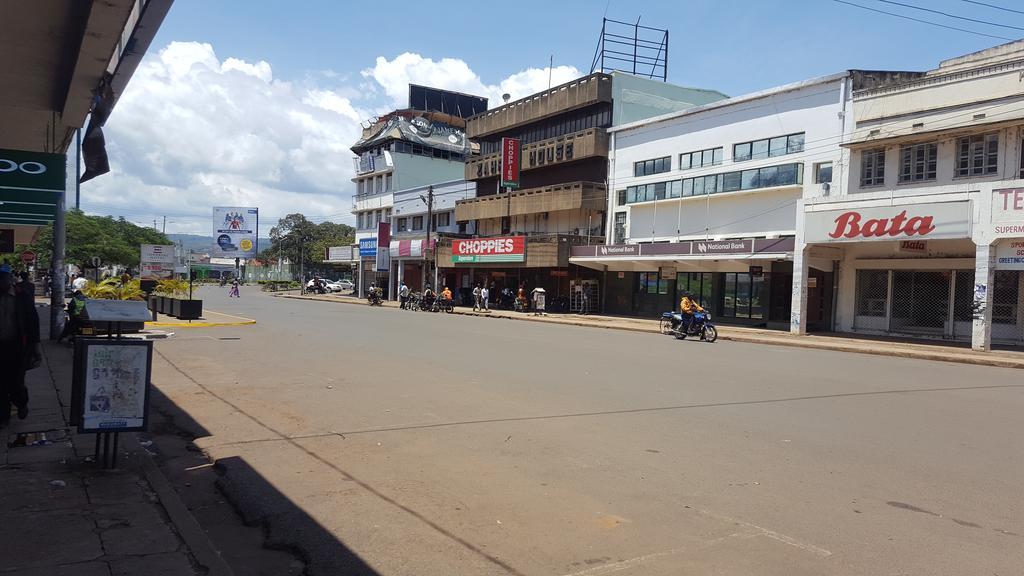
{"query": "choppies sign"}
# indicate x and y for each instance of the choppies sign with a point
(911, 221)
(510, 249)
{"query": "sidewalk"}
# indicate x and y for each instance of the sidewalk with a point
(63, 515)
(939, 351)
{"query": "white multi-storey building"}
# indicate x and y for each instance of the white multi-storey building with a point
(926, 236)
(705, 200)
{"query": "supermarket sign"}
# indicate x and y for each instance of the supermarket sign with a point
(510, 249)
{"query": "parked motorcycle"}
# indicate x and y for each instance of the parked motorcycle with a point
(442, 305)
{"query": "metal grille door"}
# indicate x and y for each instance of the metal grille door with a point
(1008, 307)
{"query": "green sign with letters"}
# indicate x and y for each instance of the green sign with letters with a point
(31, 184)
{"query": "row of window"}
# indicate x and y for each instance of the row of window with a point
(415, 223)
(420, 150)
(767, 177)
(976, 155)
(754, 150)
(368, 220)
(600, 117)
(742, 293)
(373, 184)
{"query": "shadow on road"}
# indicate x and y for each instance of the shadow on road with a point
(285, 525)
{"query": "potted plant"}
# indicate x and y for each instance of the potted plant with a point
(114, 289)
(181, 307)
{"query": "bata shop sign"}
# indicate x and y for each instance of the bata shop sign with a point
(914, 221)
(510, 249)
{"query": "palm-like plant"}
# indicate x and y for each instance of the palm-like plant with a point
(113, 289)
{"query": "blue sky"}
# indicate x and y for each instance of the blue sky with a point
(735, 46)
(256, 102)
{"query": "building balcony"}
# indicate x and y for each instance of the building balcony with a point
(568, 196)
(576, 146)
(570, 96)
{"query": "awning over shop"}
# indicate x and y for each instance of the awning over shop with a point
(641, 256)
(409, 248)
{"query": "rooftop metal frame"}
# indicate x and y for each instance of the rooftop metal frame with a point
(630, 47)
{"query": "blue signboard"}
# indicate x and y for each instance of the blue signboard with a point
(368, 248)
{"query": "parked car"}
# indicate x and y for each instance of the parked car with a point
(344, 286)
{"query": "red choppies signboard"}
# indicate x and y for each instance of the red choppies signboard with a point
(510, 151)
(910, 221)
(507, 249)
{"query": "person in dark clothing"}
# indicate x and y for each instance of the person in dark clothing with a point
(19, 345)
(76, 316)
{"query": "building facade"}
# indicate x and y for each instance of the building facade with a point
(523, 237)
(405, 149)
(927, 238)
(705, 201)
(421, 215)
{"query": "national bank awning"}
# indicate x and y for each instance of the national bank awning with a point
(31, 184)
(643, 256)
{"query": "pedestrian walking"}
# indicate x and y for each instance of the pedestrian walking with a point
(234, 289)
(403, 296)
(476, 298)
(19, 346)
(484, 296)
(585, 304)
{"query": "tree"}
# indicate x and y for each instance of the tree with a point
(295, 234)
(114, 241)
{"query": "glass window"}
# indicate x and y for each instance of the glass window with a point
(872, 167)
(756, 291)
(790, 174)
(795, 143)
(403, 224)
(777, 146)
(729, 296)
(759, 149)
(731, 182)
(717, 155)
(750, 179)
(977, 155)
(741, 152)
(711, 184)
(659, 191)
(444, 219)
(684, 161)
(1005, 298)
(769, 177)
(918, 162)
(673, 188)
(620, 227)
(688, 187)
(822, 172)
(742, 295)
(698, 186)
(417, 222)
(387, 182)
(621, 197)
(656, 166)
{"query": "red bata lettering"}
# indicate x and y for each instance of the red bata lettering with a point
(849, 225)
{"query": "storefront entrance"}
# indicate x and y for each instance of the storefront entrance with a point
(936, 303)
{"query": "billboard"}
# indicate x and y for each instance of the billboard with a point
(234, 232)
(510, 163)
(338, 254)
(156, 262)
(510, 249)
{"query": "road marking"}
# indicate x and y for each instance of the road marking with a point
(647, 558)
(820, 552)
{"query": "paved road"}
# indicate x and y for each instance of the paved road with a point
(430, 444)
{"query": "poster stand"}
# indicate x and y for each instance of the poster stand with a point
(111, 379)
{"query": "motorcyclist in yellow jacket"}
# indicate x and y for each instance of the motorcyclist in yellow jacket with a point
(688, 306)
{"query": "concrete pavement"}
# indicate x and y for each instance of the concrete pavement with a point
(384, 442)
(60, 514)
(921, 350)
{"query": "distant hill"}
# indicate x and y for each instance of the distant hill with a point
(198, 243)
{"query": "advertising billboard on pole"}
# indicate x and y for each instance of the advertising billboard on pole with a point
(234, 232)
(156, 261)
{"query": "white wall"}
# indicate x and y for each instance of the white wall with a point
(812, 108)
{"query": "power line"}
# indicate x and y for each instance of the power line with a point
(905, 17)
(994, 6)
(948, 15)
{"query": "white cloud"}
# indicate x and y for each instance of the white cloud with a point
(193, 131)
(395, 75)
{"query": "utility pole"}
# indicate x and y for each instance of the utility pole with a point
(78, 169)
(430, 225)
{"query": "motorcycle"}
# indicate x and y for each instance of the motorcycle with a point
(442, 305)
(700, 325)
(374, 297)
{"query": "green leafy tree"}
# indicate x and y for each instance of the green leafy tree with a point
(115, 241)
(295, 234)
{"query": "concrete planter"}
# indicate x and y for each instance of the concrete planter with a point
(188, 309)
